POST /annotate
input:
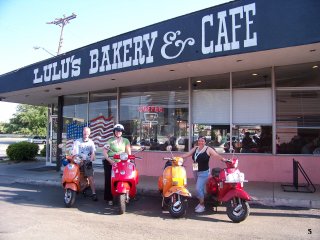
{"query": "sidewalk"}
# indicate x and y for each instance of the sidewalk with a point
(268, 194)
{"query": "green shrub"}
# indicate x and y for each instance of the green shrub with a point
(22, 151)
(43, 151)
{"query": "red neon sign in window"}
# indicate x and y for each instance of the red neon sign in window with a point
(156, 109)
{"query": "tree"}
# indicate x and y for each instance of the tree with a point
(28, 120)
(2, 127)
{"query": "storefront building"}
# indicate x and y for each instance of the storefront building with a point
(244, 74)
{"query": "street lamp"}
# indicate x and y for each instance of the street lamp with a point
(37, 47)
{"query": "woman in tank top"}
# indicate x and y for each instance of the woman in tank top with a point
(201, 155)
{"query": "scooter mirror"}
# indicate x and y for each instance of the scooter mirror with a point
(107, 146)
(60, 145)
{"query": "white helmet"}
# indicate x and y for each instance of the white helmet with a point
(118, 127)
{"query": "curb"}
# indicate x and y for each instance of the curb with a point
(38, 182)
(282, 202)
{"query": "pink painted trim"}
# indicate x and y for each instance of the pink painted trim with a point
(256, 167)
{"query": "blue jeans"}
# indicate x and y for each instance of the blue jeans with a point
(201, 180)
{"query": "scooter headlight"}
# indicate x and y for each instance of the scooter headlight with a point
(122, 172)
(178, 161)
(70, 166)
(124, 156)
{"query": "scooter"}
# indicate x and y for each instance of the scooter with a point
(226, 186)
(173, 187)
(73, 179)
(124, 179)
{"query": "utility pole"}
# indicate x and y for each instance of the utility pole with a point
(61, 22)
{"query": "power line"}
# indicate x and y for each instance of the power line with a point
(61, 22)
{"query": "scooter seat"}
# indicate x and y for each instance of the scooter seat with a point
(215, 172)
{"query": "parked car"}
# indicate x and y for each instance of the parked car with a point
(37, 140)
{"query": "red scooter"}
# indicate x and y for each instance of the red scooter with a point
(226, 186)
(124, 179)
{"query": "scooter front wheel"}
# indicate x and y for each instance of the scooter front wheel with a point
(178, 205)
(122, 203)
(69, 197)
(238, 209)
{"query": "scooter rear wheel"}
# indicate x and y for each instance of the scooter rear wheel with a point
(178, 206)
(238, 210)
(69, 197)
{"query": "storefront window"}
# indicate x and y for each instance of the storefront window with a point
(103, 103)
(252, 139)
(75, 109)
(211, 110)
(74, 117)
(156, 115)
(54, 109)
(102, 117)
(299, 75)
(216, 136)
(298, 109)
(257, 78)
(251, 117)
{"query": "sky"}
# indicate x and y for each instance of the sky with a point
(23, 26)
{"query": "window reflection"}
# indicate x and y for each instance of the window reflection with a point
(252, 139)
(217, 136)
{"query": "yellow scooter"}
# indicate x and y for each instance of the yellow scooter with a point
(173, 187)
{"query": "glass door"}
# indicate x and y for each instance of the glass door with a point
(53, 127)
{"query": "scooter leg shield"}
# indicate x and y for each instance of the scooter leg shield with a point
(235, 193)
(160, 183)
(71, 186)
(137, 177)
(122, 187)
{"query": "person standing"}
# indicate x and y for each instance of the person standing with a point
(201, 155)
(115, 145)
(86, 149)
(247, 143)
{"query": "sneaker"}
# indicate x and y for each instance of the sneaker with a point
(94, 197)
(110, 203)
(200, 209)
(197, 206)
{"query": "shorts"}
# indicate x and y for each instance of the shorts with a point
(87, 168)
